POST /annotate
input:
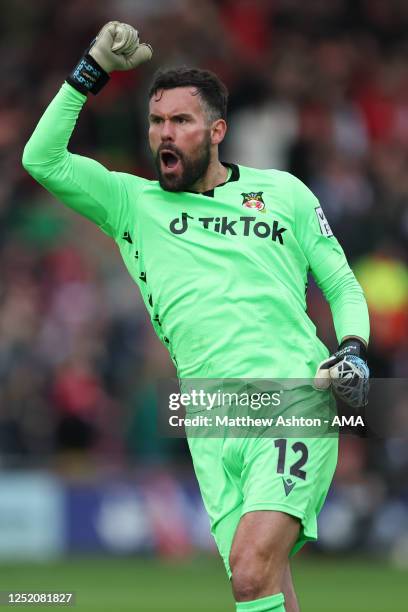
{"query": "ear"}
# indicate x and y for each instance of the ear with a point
(218, 131)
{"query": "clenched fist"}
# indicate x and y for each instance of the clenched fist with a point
(117, 47)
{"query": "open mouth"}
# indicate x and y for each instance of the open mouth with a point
(169, 160)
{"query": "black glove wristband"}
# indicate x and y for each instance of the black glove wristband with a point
(352, 346)
(88, 76)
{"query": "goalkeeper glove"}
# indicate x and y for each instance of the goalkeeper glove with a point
(116, 47)
(347, 372)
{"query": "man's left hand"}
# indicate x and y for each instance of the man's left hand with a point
(347, 372)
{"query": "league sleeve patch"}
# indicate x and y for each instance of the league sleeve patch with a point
(324, 224)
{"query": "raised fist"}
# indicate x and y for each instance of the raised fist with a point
(117, 47)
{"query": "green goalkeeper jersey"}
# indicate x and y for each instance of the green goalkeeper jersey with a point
(223, 274)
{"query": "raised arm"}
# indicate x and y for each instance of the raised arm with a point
(82, 183)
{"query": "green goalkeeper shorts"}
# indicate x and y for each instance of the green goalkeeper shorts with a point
(240, 475)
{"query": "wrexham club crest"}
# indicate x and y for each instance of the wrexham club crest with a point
(254, 200)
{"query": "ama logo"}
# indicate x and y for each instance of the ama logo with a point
(254, 201)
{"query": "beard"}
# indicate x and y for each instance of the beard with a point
(193, 168)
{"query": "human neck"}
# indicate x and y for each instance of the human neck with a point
(216, 175)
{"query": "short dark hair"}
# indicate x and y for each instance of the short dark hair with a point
(211, 89)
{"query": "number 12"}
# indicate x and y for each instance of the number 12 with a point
(295, 469)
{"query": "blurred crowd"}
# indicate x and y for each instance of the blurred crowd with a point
(318, 88)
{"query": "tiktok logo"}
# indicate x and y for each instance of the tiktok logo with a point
(244, 226)
(184, 224)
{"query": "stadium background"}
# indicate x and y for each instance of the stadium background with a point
(91, 498)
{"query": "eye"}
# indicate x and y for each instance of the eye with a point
(155, 120)
(180, 120)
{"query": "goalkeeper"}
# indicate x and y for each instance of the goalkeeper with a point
(221, 255)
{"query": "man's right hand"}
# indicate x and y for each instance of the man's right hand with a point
(117, 47)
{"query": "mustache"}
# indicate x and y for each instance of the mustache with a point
(169, 147)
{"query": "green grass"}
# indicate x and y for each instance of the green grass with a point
(199, 585)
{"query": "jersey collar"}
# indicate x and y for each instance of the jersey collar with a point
(233, 177)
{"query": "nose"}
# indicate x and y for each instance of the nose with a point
(167, 131)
